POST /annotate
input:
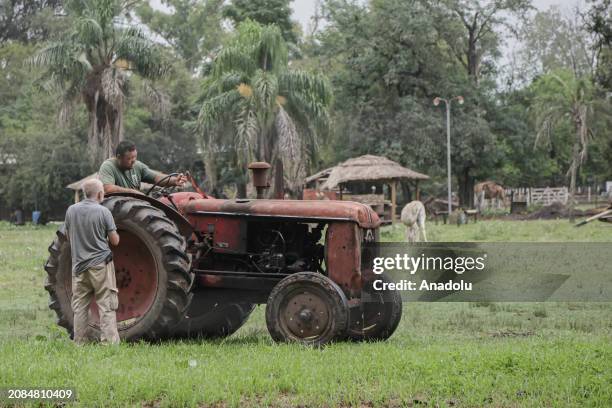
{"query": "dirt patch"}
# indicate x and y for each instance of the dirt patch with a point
(553, 211)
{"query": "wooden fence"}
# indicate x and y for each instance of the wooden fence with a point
(541, 196)
(548, 195)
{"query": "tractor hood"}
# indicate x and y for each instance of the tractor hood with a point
(308, 210)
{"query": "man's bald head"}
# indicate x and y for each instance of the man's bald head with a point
(93, 189)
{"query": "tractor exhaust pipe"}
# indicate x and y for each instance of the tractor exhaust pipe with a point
(260, 180)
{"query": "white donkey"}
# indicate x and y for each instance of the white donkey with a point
(413, 217)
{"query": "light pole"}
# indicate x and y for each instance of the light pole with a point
(448, 102)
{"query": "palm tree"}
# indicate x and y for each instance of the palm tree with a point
(92, 65)
(254, 103)
(562, 97)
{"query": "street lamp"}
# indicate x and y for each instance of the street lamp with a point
(448, 102)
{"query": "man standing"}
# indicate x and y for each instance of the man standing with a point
(123, 173)
(90, 227)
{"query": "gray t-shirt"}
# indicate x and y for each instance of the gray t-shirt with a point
(88, 224)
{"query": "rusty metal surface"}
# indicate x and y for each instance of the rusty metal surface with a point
(229, 234)
(305, 314)
(343, 256)
(136, 274)
(309, 210)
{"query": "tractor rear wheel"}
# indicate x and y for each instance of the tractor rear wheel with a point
(212, 315)
(307, 308)
(378, 315)
(151, 266)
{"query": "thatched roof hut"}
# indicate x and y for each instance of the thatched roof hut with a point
(370, 168)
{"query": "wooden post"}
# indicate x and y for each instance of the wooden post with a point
(418, 192)
(76, 196)
(393, 200)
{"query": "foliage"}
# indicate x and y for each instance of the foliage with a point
(192, 28)
(90, 64)
(599, 23)
(385, 59)
(265, 12)
(387, 64)
(562, 98)
(37, 158)
(28, 20)
(265, 111)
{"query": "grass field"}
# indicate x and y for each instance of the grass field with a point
(443, 354)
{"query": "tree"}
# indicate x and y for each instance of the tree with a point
(191, 27)
(387, 63)
(552, 41)
(37, 157)
(599, 23)
(254, 103)
(469, 27)
(91, 64)
(264, 12)
(19, 19)
(562, 97)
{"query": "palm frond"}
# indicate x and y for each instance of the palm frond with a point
(230, 80)
(233, 59)
(89, 32)
(158, 101)
(54, 54)
(265, 86)
(271, 50)
(547, 119)
(310, 110)
(141, 53)
(213, 109)
(298, 81)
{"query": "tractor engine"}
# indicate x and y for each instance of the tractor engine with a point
(259, 246)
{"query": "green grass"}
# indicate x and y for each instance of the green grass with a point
(508, 231)
(459, 354)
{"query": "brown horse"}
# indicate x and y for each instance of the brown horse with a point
(489, 190)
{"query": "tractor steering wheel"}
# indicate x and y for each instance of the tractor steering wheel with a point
(160, 181)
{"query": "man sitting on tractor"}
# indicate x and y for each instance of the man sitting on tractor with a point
(123, 173)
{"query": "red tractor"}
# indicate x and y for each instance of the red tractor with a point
(189, 265)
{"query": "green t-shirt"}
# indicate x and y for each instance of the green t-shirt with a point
(110, 173)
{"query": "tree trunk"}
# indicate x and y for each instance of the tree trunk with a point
(105, 131)
(473, 59)
(580, 127)
(210, 168)
(572, 196)
(465, 188)
(573, 172)
(278, 179)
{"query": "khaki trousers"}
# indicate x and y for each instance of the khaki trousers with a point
(98, 281)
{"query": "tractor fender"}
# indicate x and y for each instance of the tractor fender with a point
(181, 222)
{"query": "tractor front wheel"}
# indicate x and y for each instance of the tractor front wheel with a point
(307, 308)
